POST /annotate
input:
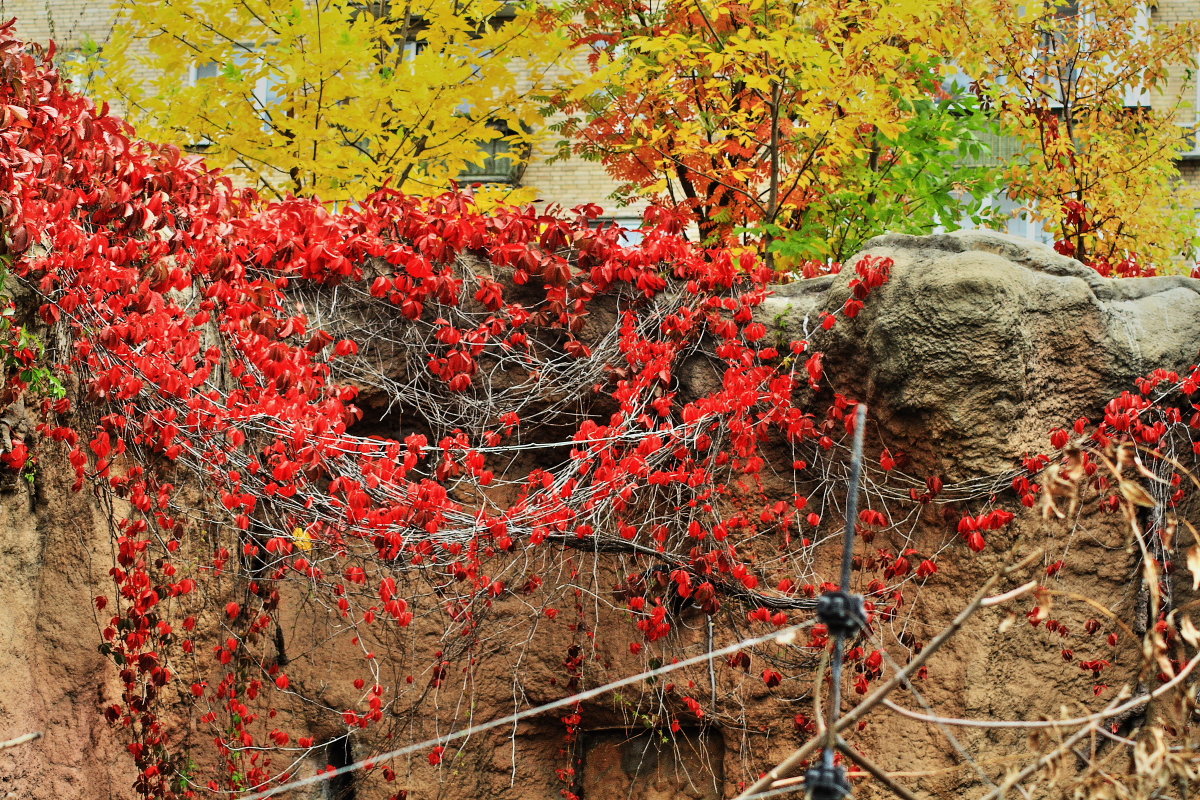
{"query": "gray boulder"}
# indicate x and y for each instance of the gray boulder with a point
(982, 342)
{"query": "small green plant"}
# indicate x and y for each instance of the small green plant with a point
(22, 351)
(183, 776)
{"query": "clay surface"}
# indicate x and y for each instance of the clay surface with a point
(978, 346)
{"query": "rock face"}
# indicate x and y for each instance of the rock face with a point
(977, 346)
(54, 558)
(981, 342)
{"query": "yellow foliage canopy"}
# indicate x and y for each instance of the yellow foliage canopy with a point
(1083, 87)
(332, 97)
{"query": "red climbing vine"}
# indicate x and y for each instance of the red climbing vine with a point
(408, 416)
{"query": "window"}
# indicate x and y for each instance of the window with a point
(632, 233)
(265, 95)
(267, 98)
(1192, 132)
(504, 162)
(200, 72)
(1018, 220)
(1138, 96)
(1002, 150)
(957, 84)
(1068, 39)
(1062, 39)
(412, 48)
(1006, 216)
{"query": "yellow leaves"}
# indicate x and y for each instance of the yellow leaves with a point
(758, 83)
(493, 196)
(716, 61)
(302, 539)
(320, 97)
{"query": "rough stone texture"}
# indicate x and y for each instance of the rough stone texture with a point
(54, 556)
(640, 767)
(978, 346)
(981, 342)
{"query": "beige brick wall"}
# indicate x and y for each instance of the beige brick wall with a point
(573, 181)
(1181, 88)
(1189, 171)
(1182, 91)
(68, 22)
(1171, 12)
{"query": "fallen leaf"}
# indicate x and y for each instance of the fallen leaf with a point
(302, 538)
(1135, 494)
(1188, 631)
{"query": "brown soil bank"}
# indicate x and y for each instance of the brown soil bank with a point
(977, 347)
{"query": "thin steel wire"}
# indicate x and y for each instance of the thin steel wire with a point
(783, 636)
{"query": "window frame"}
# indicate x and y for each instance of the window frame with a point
(262, 95)
(1193, 136)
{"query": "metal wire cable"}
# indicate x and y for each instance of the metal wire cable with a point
(785, 636)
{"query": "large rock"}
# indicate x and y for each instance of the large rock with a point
(54, 558)
(981, 339)
(975, 348)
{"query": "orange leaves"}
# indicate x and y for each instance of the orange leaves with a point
(778, 127)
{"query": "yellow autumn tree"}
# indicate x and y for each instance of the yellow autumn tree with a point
(817, 124)
(335, 98)
(810, 126)
(1082, 85)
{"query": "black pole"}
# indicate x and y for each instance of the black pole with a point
(843, 614)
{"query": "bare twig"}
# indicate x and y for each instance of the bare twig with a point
(851, 717)
(29, 737)
(1041, 763)
(1013, 595)
(875, 771)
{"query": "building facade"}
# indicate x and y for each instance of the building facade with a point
(569, 182)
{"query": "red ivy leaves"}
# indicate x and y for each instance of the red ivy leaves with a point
(182, 298)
